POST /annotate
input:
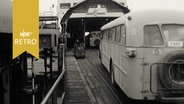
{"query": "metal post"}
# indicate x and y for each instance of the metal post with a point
(45, 74)
(60, 56)
(45, 60)
(33, 84)
(63, 56)
(51, 80)
(51, 62)
(84, 34)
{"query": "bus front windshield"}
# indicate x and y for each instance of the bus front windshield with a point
(152, 36)
(173, 32)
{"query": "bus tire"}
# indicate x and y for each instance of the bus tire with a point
(165, 74)
(112, 73)
(99, 52)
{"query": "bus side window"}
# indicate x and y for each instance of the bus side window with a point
(152, 36)
(110, 34)
(123, 34)
(118, 34)
(113, 33)
(105, 35)
(102, 36)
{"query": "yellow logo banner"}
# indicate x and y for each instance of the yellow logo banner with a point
(25, 27)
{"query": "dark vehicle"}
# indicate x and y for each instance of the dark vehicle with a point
(79, 50)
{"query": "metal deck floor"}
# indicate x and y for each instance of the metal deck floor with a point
(83, 85)
(76, 92)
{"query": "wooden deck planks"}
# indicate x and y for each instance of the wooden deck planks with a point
(74, 86)
(84, 85)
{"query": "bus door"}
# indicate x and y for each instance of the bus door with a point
(152, 52)
(132, 69)
(122, 50)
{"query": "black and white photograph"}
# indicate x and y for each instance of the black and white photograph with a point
(92, 52)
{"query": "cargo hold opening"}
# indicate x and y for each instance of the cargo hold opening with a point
(77, 27)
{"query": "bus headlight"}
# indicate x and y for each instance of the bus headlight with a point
(131, 52)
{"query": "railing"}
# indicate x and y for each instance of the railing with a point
(167, 78)
(50, 92)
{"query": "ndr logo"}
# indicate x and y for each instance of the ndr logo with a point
(25, 34)
(25, 41)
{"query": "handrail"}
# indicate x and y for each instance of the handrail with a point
(57, 81)
(62, 98)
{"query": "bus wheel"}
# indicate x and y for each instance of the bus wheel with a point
(171, 76)
(112, 73)
(100, 56)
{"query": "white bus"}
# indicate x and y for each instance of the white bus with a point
(144, 53)
(94, 40)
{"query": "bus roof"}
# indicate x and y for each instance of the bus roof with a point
(48, 18)
(148, 17)
(113, 23)
(95, 31)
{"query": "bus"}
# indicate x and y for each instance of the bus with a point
(144, 53)
(94, 38)
(49, 33)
